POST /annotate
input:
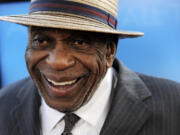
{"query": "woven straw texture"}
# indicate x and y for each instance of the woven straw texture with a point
(52, 19)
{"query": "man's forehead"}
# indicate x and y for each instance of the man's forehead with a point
(40, 29)
(59, 34)
(94, 35)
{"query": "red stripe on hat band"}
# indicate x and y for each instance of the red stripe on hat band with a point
(74, 8)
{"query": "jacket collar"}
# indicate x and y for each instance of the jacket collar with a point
(128, 110)
(25, 115)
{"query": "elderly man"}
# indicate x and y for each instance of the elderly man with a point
(77, 86)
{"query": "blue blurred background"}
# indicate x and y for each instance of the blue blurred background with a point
(157, 53)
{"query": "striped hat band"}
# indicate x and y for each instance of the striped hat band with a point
(74, 8)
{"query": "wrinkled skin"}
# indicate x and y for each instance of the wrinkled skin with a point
(67, 66)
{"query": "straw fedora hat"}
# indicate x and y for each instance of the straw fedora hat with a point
(84, 15)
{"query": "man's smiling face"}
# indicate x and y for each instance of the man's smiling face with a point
(67, 66)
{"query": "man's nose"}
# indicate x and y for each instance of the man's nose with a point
(60, 59)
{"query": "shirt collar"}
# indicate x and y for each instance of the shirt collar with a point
(49, 116)
(94, 112)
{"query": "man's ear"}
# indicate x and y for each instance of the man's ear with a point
(110, 53)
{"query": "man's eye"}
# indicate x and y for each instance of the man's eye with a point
(79, 42)
(39, 43)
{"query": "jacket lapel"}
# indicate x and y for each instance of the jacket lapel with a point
(128, 110)
(24, 115)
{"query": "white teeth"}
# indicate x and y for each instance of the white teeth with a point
(62, 83)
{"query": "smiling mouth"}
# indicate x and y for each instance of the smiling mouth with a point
(65, 83)
(63, 88)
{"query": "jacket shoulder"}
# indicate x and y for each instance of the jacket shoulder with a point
(16, 101)
(160, 85)
(164, 104)
(9, 92)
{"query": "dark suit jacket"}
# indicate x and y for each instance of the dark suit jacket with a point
(141, 105)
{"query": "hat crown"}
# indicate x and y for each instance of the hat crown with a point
(82, 15)
(109, 6)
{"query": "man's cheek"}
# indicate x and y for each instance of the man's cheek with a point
(34, 57)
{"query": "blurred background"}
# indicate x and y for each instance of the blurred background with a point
(156, 54)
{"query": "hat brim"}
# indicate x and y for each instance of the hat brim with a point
(67, 21)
